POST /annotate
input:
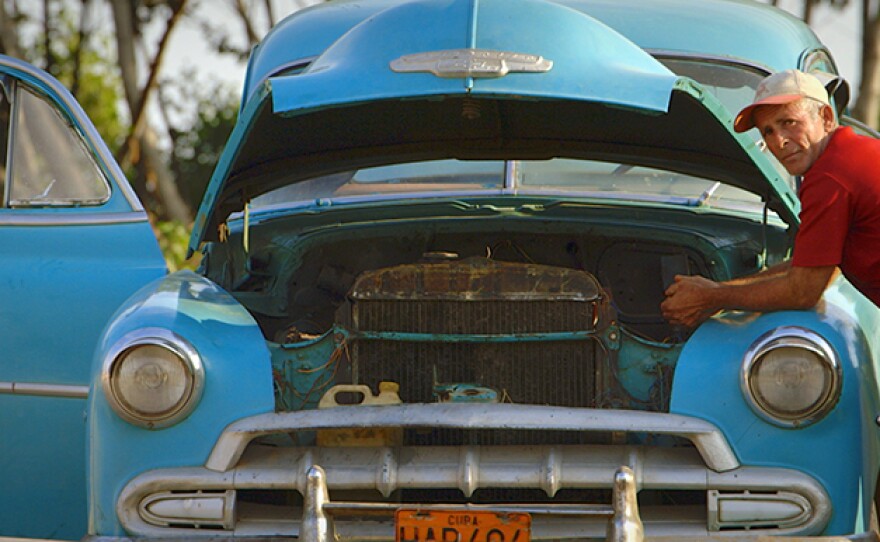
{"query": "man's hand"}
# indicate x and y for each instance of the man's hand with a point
(688, 301)
(692, 300)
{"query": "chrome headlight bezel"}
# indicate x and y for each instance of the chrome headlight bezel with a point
(792, 337)
(191, 363)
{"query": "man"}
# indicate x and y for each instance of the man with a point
(840, 207)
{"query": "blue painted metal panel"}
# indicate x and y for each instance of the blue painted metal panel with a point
(60, 285)
(306, 34)
(737, 29)
(64, 273)
(238, 383)
(591, 62)
(707, 386)
(743, 29)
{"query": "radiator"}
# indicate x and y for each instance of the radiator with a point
(481, 297)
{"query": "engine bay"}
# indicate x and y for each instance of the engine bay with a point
(294, 284)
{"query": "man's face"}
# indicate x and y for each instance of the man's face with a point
(794, 135)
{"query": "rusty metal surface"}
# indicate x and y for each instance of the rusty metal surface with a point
(479, 296)
(477, 278)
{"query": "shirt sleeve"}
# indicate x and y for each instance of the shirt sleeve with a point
(825, 219)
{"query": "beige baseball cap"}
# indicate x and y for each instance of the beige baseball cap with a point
(781, 88)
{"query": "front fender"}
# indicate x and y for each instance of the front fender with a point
(238, 383)
(840, 451)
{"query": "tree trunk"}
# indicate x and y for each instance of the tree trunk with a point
(80, 46)
(270, 13)
(159, 175)
(808, 10)
(123, 17)
(141, 145)
(867, 108)
(51, 65)
(249, 29)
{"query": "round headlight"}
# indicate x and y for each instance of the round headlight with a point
(791, 377)
(153, 378)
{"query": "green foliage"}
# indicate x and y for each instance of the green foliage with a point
(197, 148)
(99, 93)
(97, 86)
(173, 240)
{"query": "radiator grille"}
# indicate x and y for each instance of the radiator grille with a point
(475, 317)
(564, 373)
(481, 297)
(558, 373)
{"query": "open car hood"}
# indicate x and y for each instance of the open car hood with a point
(487, 79)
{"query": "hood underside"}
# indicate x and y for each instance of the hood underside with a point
(487, 79)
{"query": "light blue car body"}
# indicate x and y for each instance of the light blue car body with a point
(66, 270)
(335, 57)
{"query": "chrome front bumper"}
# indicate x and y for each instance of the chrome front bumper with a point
(624, 524)
(241, 463)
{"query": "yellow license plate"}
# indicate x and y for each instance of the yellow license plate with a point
(412, 525)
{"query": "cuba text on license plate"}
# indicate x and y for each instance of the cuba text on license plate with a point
(412, 525)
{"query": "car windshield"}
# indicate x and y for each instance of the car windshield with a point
(568, 177)
(733, 84)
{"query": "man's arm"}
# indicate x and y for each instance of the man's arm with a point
(770, 272)
(691, 300)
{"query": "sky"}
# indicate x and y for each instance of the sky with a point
(190, 48)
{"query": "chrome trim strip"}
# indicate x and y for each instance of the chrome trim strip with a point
(570, 510)
(44, 390)
(706, 437)
(425, 197)
(14, 105)
(869, 536)
(14, 218)
(91, 135)
(188, 537)
(511, 175)
(426, 468)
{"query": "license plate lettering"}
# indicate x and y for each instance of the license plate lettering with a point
(461, 526)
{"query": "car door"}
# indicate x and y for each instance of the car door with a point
(74, 244)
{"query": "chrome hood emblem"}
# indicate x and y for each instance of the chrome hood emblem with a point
(481, 63)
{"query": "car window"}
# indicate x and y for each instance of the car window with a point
(733, 84)
(433, 176)
(50, 163)
(622, 179)
(572, 177)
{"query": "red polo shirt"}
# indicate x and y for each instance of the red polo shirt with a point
(840, 211)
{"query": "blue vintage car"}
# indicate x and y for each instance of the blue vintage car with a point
(433, 254)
